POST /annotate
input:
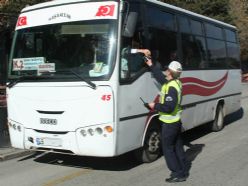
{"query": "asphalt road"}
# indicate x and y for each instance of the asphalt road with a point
(216, 159)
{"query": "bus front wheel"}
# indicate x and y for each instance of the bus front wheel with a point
(218, 123)
(151, 150)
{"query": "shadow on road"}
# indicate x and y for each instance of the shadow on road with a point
(120, 163)
(191, 153)
(193, 150)
(229, 119)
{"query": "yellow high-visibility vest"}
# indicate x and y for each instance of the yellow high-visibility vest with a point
(176, 114)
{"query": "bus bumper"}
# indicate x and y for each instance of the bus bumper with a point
(87, 141)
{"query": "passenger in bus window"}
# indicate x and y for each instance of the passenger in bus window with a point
(173, 55)
(192, 58)
(170, 110)
(132, 58)
(132, 62)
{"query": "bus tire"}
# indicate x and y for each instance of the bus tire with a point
(218, 123)
(151, 150)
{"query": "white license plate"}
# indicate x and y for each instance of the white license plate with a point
(48, 121)
(53, 142)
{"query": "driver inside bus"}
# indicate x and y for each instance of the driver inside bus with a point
(86, 57)
(89, 62)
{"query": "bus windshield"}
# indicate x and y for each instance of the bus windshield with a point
(85, 48)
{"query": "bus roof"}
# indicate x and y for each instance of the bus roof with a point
(58, 2)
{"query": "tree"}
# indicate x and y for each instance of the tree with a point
(15, 7)
(9, 11)
(239, 13)
(218, 9)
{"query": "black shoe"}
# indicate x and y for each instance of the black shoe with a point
(175, 179)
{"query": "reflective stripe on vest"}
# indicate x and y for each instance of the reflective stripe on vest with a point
(176, 114)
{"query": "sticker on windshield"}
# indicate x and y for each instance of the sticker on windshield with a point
(46, 67)
(27, 63)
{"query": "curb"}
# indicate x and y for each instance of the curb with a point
(14, 153)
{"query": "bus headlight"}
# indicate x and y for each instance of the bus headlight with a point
(15, 126)
(98, 130)
(83, 132)
(91, 131)
(109, 129)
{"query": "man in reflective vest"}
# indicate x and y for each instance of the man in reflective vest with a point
(169, 109)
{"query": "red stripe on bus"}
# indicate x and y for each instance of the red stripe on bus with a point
(195, 86)
(204, 83)
(201, 91)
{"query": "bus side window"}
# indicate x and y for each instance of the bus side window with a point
(233, 55)
(131, 63)
(217, 53)
(165, 44)
(192, 54)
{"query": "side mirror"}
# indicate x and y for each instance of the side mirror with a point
(130, 24)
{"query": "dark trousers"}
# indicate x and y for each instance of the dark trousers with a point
(173, 148)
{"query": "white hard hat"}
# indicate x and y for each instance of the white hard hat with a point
(175, 66)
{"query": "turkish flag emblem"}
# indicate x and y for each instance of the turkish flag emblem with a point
(22, 21)
(107, 10)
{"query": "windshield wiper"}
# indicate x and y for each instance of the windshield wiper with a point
(26, 77)
(14, 82)
(19, 79)
(92, 85)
